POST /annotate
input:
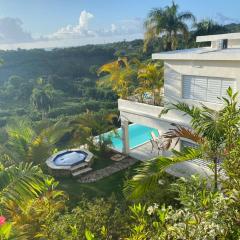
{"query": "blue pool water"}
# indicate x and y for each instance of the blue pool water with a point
(138, 134)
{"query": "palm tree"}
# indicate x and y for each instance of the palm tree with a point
(167, 23)
(121, 76)
(42, 96)
(151, 80)
(214, 132)
(208, 27)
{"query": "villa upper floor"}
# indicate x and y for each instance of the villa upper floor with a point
(203, 75)
(195, 76)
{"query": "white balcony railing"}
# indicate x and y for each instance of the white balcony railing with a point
(151, 111)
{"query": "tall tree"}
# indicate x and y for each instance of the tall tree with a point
(167, 23)
(42, 96)
(120, 76)
(151, 80)
(208, 27)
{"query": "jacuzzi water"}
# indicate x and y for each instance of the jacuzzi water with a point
(70, 158)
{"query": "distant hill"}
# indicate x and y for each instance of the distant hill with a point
(74, 62)
(233, 27)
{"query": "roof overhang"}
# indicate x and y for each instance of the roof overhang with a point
(206, 56)
(210, 38)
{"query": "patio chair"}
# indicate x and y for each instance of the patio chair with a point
(154, 137)
(158, 142)
(155, 145)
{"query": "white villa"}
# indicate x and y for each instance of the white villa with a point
(194, 76)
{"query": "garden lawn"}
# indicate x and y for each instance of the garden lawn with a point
(113, 185)
(103, 188)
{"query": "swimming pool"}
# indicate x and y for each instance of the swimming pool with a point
(138, 134)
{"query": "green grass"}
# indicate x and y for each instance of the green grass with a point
(114, 185)
(102, 162)
(103, 188)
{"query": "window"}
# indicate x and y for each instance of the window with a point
(205, 89)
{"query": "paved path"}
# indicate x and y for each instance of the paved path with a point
(107, 171)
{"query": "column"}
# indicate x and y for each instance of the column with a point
(125, 137)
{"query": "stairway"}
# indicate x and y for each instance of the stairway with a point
(80, 169)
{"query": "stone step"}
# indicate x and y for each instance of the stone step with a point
(79, 166)
(81, 172)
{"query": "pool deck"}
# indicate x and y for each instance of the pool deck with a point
(143, 152)
(184, 169)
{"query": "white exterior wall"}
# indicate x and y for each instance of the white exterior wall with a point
(234, 43)
(175, 70)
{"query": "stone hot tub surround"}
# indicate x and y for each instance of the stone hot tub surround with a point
(70, 162)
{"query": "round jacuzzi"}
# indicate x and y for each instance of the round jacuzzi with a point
(70, 162)
(70, 158)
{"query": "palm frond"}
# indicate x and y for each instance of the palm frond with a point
(186, 16)
(188, 153)
(21, 182)
(179, 132)
(147, 177)
(183, 28)
(150, 172)
(192, 111)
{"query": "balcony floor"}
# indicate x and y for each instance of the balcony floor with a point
(184, 169)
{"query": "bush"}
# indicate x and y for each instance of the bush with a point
(93, 215)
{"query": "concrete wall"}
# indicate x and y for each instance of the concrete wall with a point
(234, 43)
(175, 70)
(149, 115)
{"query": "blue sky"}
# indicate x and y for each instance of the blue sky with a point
(54, 23)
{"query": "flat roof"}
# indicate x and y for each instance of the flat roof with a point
(206, 53)
(210, 38)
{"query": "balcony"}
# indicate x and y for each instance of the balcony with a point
(148, 114)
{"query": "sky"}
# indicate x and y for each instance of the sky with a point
(62, 23)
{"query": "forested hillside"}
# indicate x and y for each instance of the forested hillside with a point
(58, 82)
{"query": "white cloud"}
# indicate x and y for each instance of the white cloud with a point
(79, 30)
(83, 30)
(11, 31)
(12, 35)
(123, 28)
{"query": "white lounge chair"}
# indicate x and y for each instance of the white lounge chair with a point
(158, 142)
(154, 137)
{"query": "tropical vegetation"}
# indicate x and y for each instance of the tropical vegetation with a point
(63, 98)
(168, 22)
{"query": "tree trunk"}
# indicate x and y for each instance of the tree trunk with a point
(169, 46)
(215, 174)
